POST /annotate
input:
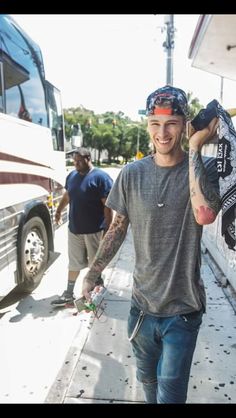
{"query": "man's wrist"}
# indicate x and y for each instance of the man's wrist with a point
(194, 147)
(91, 277)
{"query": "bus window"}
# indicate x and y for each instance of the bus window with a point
(25, 97)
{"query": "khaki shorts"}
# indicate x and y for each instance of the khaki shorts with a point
(82, 249)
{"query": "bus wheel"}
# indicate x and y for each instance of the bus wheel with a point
(33, 253)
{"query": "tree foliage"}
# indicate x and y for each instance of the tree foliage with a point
(194, 107)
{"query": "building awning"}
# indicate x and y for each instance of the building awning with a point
(213, 46)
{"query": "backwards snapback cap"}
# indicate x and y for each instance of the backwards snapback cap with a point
(167, 100)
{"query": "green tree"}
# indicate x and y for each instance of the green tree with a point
(114, 132)
(194, 105)
(194, 108)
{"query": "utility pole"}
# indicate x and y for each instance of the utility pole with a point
(138, 140)
(169, 47)
(221, 89)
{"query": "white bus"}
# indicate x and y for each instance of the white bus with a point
(32, 160)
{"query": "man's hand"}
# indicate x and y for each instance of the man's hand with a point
(86, 289)
(58, 216)
(63, 203)
(199, 138)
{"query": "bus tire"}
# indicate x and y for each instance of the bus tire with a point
(34, 253)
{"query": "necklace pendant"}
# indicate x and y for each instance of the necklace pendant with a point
(160, 205)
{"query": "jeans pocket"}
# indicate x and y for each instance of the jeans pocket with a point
(134, 321)
(193, 319)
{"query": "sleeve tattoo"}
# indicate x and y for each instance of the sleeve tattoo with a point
(109, 246)
(211, 206)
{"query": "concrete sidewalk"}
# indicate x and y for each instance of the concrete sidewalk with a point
(100, 367)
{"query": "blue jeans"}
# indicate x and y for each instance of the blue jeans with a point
(164, 349)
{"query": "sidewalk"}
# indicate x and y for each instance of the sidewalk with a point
(100, 367)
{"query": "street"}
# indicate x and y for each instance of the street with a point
(35, 337)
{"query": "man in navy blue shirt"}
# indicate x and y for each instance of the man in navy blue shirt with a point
(86, 191)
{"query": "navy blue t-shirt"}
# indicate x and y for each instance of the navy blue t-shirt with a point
(86, 213)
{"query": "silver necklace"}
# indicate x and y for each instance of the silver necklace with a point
(159, 204)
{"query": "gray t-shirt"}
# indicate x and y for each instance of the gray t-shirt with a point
(166, 278)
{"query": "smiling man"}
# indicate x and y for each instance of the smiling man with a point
(166, 198)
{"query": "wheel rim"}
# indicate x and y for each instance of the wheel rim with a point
(33, 253)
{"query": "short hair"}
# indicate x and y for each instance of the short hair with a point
(83, 152)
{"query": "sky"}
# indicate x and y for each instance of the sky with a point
(113, 62)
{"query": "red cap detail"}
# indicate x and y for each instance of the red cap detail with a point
(163, 111)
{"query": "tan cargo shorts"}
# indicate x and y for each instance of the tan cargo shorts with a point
(82, 249)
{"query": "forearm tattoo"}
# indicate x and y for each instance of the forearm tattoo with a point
(109, 246)
(207, 190)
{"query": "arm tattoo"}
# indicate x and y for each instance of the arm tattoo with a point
(192, 192)
(109, 246)
(207, 190)
(203, 212)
